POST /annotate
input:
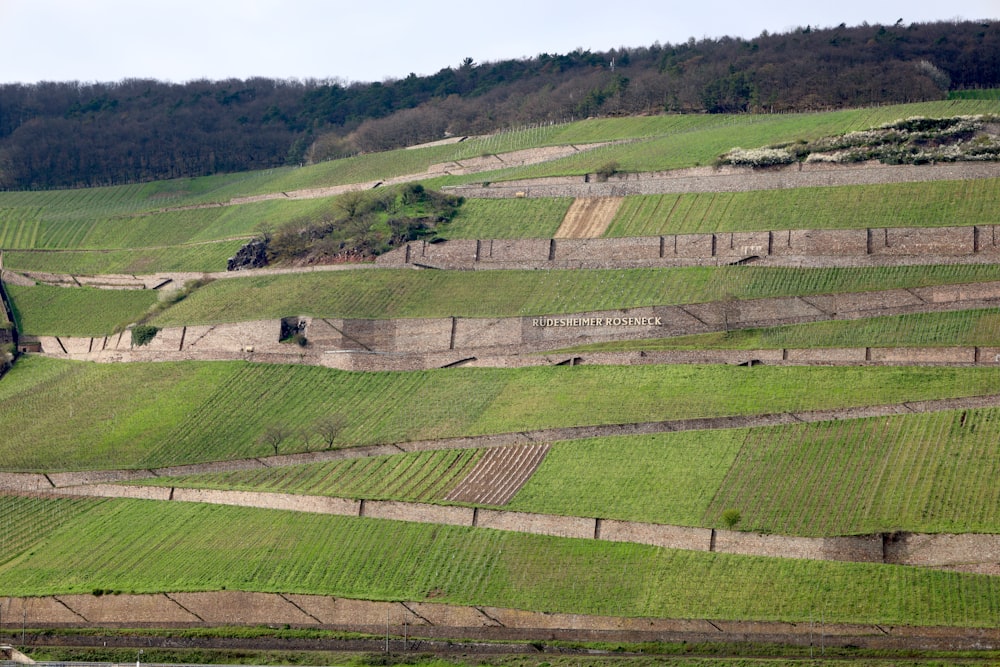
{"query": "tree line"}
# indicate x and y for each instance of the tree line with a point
(72, 134)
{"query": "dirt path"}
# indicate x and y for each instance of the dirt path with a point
(521, 158)
(588, 217)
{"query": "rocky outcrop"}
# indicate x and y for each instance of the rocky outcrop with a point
(253, 255)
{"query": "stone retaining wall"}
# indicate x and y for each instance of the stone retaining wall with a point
(945, 244)
(730, 179)
(448, 621)
(902, 549)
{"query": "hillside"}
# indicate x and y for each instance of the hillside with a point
(73, 134)
(661, 402)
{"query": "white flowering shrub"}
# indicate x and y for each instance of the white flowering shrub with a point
(758, 157)
(914, 140)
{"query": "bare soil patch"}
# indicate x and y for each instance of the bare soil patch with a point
(588, 217)
(499, 475)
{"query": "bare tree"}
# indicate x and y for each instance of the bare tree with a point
(328, 427)
(274, 434)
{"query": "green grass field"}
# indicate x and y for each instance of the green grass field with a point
(74, 415)
(142, 546)
(936, 204)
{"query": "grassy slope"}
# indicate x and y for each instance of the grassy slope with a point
(72, 415)
(267, 550)
(79, 415)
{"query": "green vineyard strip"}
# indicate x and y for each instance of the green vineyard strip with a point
(146, 547)
(664, 478)
(66, 415)
(27, 520)
(414, 477)
(507, 219)
(43, 310)
(924, 473)
(937, 204)
(386, 293)
(201, 258)
(825, 479)
(956, 328)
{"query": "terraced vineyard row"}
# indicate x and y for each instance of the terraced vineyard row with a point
(941, 203)
(200, 258)
(26, 520)
(702, 147)
(387, 293)
(346, 557)
(78, 311)
(72, 415)
(927, 473)
(420, 477)
(40, 228)
(979, 327)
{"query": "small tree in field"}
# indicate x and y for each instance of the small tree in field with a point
(328, 427)
(731, 517)
(273, 435)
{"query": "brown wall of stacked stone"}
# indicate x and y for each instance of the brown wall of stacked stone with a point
(693, 249)
(901, 548)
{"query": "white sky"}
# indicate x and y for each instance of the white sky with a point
(181, 40)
